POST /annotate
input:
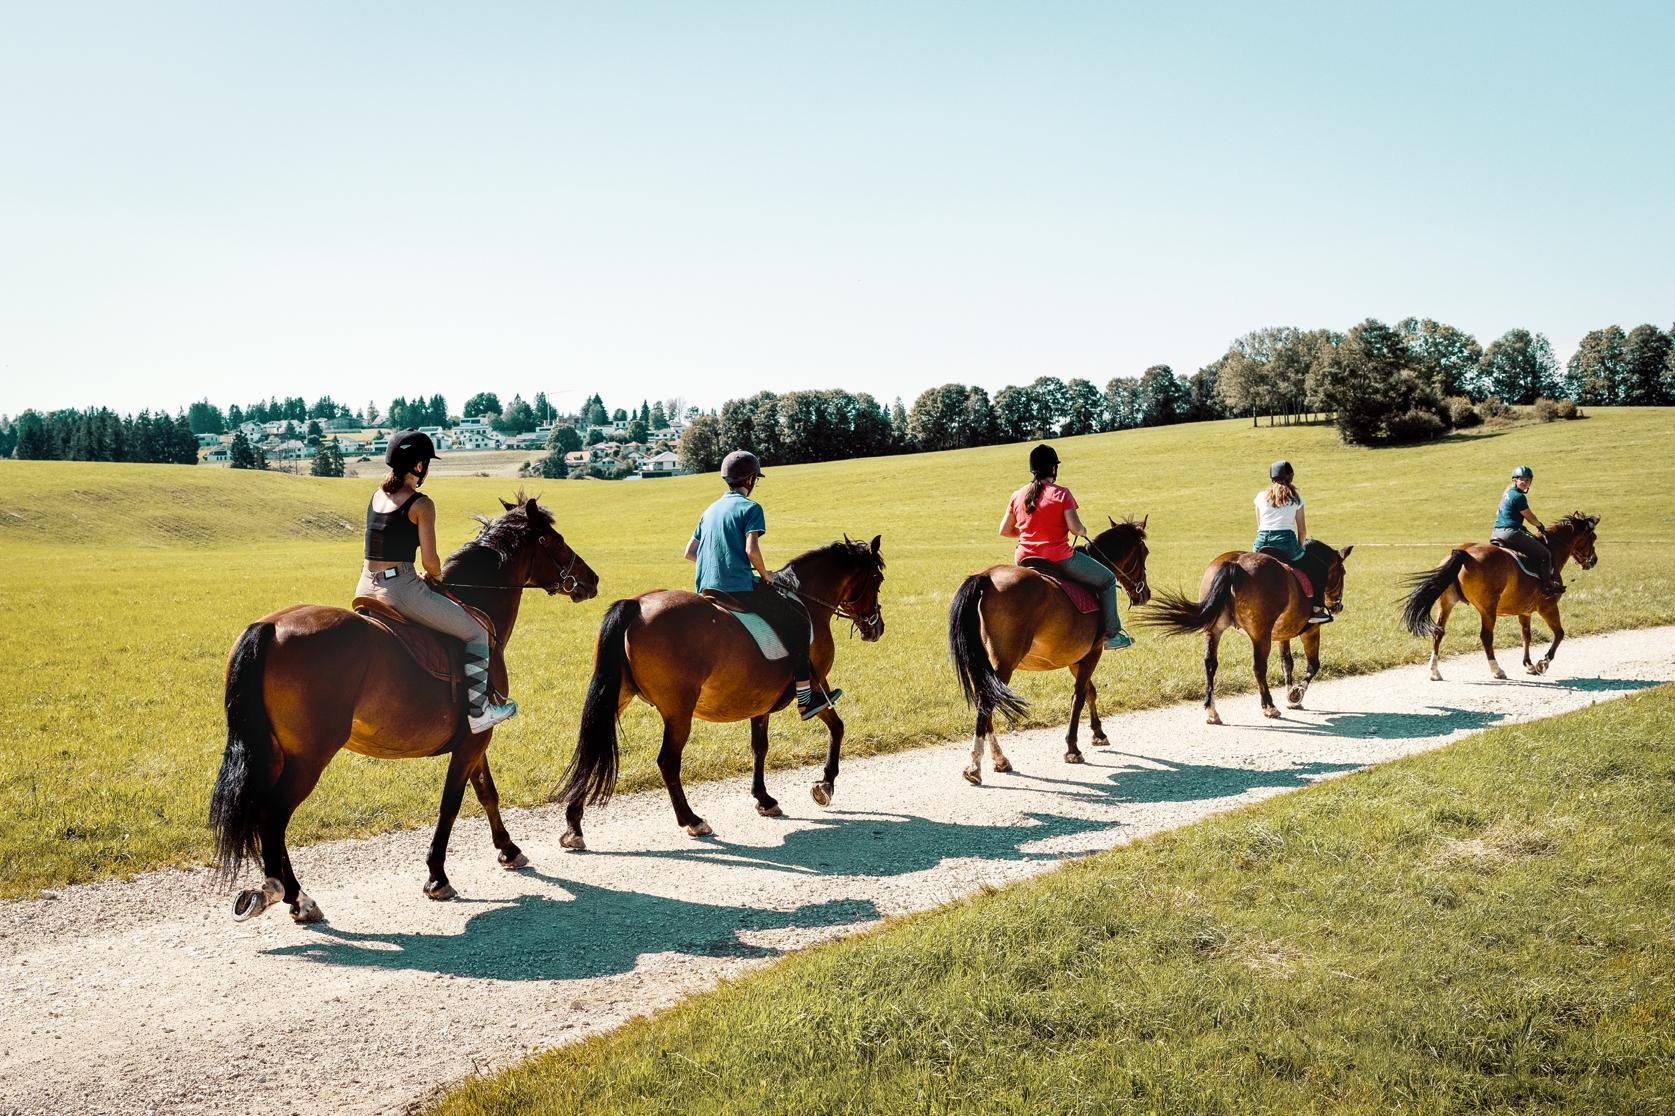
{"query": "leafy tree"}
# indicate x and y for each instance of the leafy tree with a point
(565, 440)
(205, 418)
(596, 414)
(483, 403)
(1519, 367)
(328, 460)
(659, 417)
(235, 417)
(1370, 381)
(436, 412)
(1083, 408)
(701, 445)
(637, 431)
(552, 466)
(544, 411)
(1646, 355)
(1203, 401)
(898, 425)
(594, 437)
(1052, 403)
(242, 455)
(325, 408)
(1594, 373)
(1447, 356)
(619, 415)
(1014, 412)
(314, 432)
(1162, 396)
(952, 416)
(1122, 403)
(370, 415)
(517, 418)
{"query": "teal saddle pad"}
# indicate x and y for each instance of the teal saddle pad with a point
(773, 648)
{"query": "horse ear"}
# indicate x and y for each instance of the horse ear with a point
(1144, 519)
(507, 506)
(1593, 521)
(875, 542)
(1344, 553)
(1111, 521)
(530, 505)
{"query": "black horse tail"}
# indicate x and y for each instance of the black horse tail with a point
(983, 688)
(1427, 587)
(1177, 614)
(591, 776)
(236, 805)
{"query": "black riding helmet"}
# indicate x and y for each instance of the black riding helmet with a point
(1280, 472)
(1043, 459)
(407, 449)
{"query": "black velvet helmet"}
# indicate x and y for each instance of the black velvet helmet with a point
(407, 449)
(1043, 459)
(1280, 472)
(740, 466)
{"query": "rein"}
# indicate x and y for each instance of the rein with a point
(567, 581)
(1116, 567)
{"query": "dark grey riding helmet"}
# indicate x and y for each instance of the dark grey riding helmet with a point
(1280, 472)
(740, 466)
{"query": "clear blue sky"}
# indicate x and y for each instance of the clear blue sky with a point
(705, 200)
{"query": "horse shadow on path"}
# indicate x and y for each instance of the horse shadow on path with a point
(584, 931)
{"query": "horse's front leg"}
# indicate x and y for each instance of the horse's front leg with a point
(1099, 738)
(453, 792)
(677, 728)
(765, 803)
(1260, 649)
(1524, 630)
(1550, 616)
(483, 783)
(827, 786)
(1073, 754)
(1445, 605)
(1286, 664)
(1311, 659)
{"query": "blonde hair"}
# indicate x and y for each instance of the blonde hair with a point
(1279, 494)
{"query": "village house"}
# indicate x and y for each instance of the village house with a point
(665, 464)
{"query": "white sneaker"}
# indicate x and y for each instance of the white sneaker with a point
(491, 715)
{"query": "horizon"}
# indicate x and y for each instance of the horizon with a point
(651, 201)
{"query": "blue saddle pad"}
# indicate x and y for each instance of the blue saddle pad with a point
(773, 649)
(1523, 563)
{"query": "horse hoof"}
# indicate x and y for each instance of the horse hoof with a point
(1270, 711)
(1074, 757)
(1003, 766)
(1436, 676)
(1531, 668)
(439, 892)
(248, 904)
(699, 829)
(306, 910)
(770, 811)
(1101, 742)
(1541, 667)
(512, 864)
(1499, 674)
(572, 841)
(1213, 718)
(822, 793)
(973, 776)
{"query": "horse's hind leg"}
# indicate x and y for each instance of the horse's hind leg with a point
(1311, 658)
(827, 786)
(1212, 642)
(295, 782)
(483, 783)
(1260, 649)
(1524, 630)
(765, 803)
(973, 772)
(677, 728)
(1486, 633)
(453, 793)
(1445, 604)
(1549, 610)
(1002, 765)
(1286, 672)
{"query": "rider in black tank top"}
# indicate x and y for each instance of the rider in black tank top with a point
(391, 536)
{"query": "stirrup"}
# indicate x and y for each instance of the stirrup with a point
(818, 702)
(493, 713)
(1320, 616)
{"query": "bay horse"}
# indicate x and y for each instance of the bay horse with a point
(682, 654)
(309, 680)
(1490, 580)
(1257, 595)
(1009, 618)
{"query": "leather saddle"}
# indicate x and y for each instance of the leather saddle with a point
(1080, 598)
(1303, 582)
(439, 655)
(1516, 556)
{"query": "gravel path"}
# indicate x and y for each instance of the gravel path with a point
(143, 996)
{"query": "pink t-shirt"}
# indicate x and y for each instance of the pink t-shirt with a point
(1043, 533)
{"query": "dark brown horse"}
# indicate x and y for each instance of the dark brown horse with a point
(309, 680)
(1010, 618)
(1257, 595)
(683, 655)
(1490, 580)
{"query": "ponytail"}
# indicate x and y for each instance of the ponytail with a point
(392, 483)
(1034, 494)
(1281, 494)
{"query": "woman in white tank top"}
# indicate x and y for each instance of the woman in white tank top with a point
(1281, 532)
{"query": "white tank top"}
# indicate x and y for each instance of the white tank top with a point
(1270, 518)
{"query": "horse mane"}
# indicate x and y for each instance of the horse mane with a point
(850, 548)
(1576, 521)
(1127, 524)
(500, 538)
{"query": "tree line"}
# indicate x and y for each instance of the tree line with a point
(99, 435)
(1380, 384)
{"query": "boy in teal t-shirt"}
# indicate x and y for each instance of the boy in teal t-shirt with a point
(729, 560)
(1509, 530)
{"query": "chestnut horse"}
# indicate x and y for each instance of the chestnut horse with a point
(683, 655)
(309, 680)
(1257, 595)
(1490, 580)
(1010, 618)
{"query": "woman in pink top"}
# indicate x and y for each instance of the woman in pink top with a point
(1042, 517)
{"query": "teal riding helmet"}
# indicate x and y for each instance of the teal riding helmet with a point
(1523, 471)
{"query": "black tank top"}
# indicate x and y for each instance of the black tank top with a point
(391, 536)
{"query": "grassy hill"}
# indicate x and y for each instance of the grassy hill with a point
(125, 585)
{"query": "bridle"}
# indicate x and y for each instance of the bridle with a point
(567, 582)
(1132, 586)
(846, 611)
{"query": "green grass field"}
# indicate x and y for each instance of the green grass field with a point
(125, 585)
(1487, 928)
